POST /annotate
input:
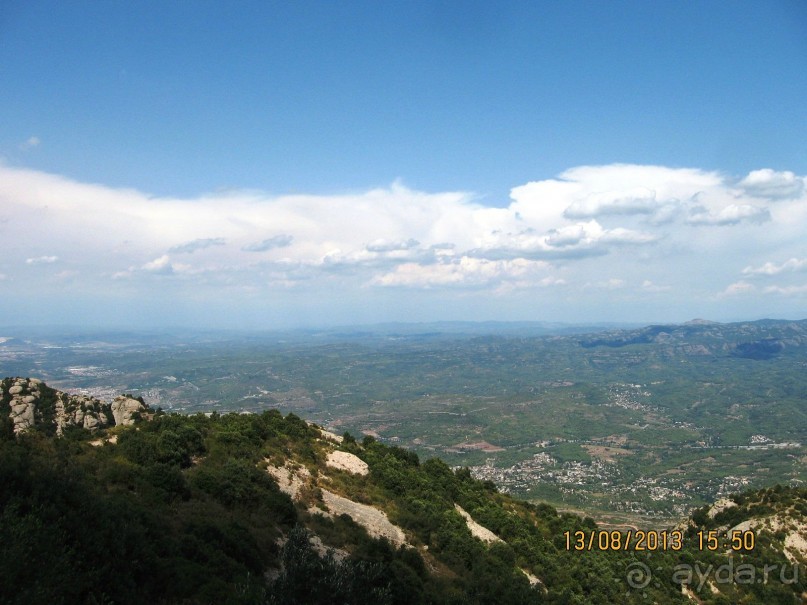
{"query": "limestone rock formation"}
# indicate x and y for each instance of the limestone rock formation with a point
(345, 461)
(30, 403)
(297, 480)
(477, 531)
(23, 394)
(126, 409)
(80, 410)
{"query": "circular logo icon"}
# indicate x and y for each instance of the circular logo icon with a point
(638, 575)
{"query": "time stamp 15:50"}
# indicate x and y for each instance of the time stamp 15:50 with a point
(641, 540)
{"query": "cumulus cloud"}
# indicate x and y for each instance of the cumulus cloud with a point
(620, 235)
(381, 255)
(165, 266)
(160, 265)
(276, 241)
(197, 244)
(588, 229)
(769, 268)
(575, 241)
(655, 198)
(732, 214)
(383, 245)
(41, 260)
(773, 185)
(467, 272)
(638, 201)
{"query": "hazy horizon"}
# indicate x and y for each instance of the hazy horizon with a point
(445, 327)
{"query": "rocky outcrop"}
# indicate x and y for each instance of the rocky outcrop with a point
(477, 531)
(290, 480)
(794, 529)
(719, 506)
(298, 482)
(345, 461)
(80, 410)
(375, 521)
(30, 403)
(23, 395)
(126, 410)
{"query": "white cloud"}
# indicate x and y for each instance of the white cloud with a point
(769, 268)
(41, 260)
(627, 196)
(198, 244)
(270, 243)
(590, 229)
(382, 245)
(652, 192)
(381, 255)
(611, 284)
(159, 265)
(729, 215)
(620, 235)
(164, 266)
(786, 290)
(740, 287)
(468, 272)
(637, 201)
(578, 240)
(767, 183)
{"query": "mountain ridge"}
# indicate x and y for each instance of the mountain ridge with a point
(30, 403)
(208, 522)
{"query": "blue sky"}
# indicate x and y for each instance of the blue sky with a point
(264, 164)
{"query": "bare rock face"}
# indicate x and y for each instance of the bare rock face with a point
(24, 394)
(126, 409)
(375, 521)
(719, 506)
(31, 403)
(477, 531)
(346, 461)
(81, 410)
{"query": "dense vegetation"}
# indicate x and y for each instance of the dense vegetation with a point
(180, 510)
(640, 425)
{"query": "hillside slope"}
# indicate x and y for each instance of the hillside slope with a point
(638, 425)
(262, 508)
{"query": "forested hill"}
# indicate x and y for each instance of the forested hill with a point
(262, 508)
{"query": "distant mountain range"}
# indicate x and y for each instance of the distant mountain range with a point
(761, 339)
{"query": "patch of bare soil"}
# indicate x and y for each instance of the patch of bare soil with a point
(477, 530)
(606, 453)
